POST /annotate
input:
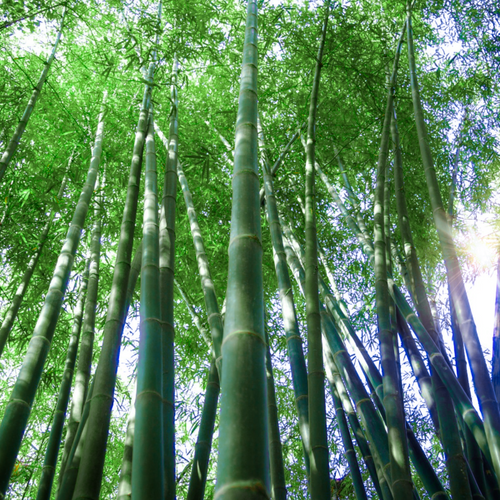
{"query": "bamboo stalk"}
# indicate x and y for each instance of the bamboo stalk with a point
(400, 467)
(495, 362)
(290, 323)
(19, 407)
(125, 481)
(349, 452)
(52, 452)
(207, 284)
(243, 416)
(67, 478)
(455, 460)
(88, 483)
(424, 468)
(358, 432)
(21, 126)
(167, 269)
(319, 482)
(87, 342)
(278, 484)
(147, 466)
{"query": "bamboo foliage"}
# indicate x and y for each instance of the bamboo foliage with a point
(18, 410)
(18, 133)
(243, 414)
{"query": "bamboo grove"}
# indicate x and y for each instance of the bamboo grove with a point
(237, 250)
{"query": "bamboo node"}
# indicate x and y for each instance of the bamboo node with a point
(253, 486)
(244, 332)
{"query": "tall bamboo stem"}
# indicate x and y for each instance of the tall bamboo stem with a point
(290, 323)
(350, 454)
(87, 343)
(319, 483)
(167, 270)
(52, 452)
(88, 483)
(449, 434)
(147, 466)
(243, 416)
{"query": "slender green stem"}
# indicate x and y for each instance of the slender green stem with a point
(88, 483)
(167, 270)
(21, 126)
(319, 483)
(290, 323)
(278, 484)
(52, 452)
(87, 343)
(147, 466)
(349, 452)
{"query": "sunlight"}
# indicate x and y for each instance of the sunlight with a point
(481, 251)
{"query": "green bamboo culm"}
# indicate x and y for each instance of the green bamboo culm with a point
(447, 426)
(375, 427)
(482, 382)
(203, 447)
(402, 486)
(372, 420)
(198, 479)
(207, 284)
(461, 401)
(125, 481)
(19, 407)
(67, 478)
(290, 323)
(319, 482)
(167, 269)
(349, 452)
(88, 483)
(21, 126)
(278, 484)
(243, 470)
(52, 452)
(87, 343)
(357, 430)
(147, 466)
(11, 315)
